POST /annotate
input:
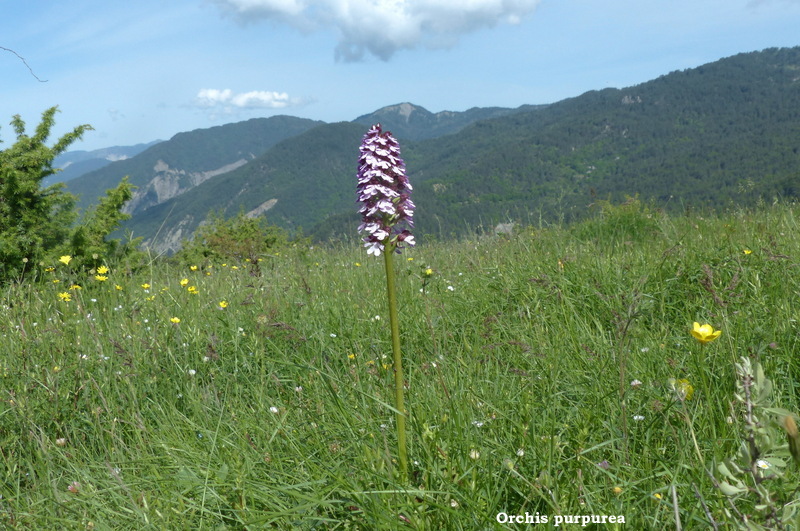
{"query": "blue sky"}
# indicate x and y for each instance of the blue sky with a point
(145, 70)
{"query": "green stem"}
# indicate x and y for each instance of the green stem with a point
(399, 382)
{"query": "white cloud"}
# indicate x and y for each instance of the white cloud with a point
(260, 99)
(213, 97)
(227, 100)
(265, 7)
(382, 27)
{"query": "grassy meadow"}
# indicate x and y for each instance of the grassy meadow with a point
(551, 371)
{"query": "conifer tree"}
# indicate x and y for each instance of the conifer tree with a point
(37, 222)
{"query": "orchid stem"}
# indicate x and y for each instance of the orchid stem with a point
(397, 364)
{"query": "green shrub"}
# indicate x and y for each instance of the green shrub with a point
(631, 221)
(37, 225)
(33, 220)
(88, 242)
(239, 238)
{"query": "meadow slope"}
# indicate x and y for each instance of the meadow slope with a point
(539, 366)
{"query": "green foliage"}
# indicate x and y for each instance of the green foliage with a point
(88, 241)
(33, 220)
(37, 224)
(240, 238)
(761, 492)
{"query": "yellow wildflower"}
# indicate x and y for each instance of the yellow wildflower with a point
(100, 278)
(66, 259)
(193, 268)
(682, 388)
(75, 287)
(102, 270)
(174, 320)
(145, 286)
(223, 304)
(117, 287)
(747, 251)
(65, 296)
(193, 290)
(184, 281)
(705, 333)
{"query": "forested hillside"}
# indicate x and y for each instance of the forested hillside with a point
(727, 131)
(700, 138)
(296, 184)
(169, 168)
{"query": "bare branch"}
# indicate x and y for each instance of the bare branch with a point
(25, 63)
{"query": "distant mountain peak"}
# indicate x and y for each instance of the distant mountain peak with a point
(405, 110)
(399, 111)
(73, 164)
(413, 122)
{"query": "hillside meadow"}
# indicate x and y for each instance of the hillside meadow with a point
(550, 372)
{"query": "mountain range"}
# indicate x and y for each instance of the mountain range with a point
(724, 132)
(73, 164)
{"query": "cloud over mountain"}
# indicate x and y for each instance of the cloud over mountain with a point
(256, 99)
(382, 27)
